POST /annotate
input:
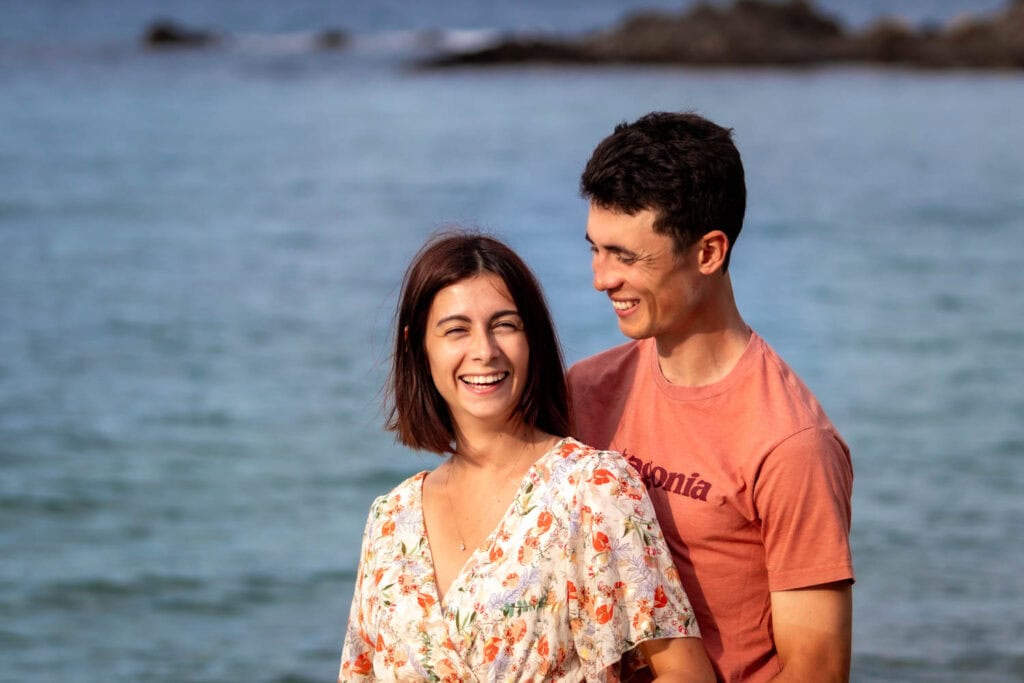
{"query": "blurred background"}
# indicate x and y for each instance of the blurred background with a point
(200, 252)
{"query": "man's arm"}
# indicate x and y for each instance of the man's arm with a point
(813, 630)
(678, 659)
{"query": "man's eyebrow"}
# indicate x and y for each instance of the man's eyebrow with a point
(614, 248)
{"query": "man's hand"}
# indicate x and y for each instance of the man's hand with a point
(813, 628)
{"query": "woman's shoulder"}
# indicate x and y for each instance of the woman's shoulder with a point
(587, 461)
(400, 496)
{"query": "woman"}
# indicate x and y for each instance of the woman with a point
(525, 555)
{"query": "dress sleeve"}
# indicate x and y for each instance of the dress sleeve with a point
(623, 588)
(357, 653)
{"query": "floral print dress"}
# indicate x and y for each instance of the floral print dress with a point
(575, 575)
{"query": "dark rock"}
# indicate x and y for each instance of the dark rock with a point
(332, 39)
(749, 32)
(165, 33)
(517, 51)
(759, 32)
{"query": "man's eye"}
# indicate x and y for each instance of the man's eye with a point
(627, 259)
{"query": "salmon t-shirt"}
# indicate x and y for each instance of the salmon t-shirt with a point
(750, 481)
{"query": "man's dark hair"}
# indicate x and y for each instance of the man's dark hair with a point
(416, 411)
(681, 166)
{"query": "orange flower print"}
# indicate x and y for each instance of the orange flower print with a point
(496, 553)
(362, 666)
(544, 521)
(571, 591)
(388, 528)
(491, 649)
(366, 638)
(515, 631)
(601, 542)
(603, 614)
(660, 599)
(380, 643)
(425, 600)
(543, 647)
(602, 476)
(446, 670)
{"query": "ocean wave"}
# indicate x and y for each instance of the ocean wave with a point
(179, 593)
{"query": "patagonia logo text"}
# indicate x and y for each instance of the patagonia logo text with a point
(679, 483)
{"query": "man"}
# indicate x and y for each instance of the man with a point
(750, 480)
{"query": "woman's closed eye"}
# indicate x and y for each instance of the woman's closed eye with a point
(507, 325)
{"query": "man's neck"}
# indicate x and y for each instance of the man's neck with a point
(708, 351)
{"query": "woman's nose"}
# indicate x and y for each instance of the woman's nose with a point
(484, 347)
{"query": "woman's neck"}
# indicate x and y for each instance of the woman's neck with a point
(490, 449)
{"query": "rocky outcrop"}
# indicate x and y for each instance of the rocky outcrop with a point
(758, 32)
(169, 34)
(331, 39)
(166, 34)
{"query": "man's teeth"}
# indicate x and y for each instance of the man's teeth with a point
(483, 380)
(623, 305)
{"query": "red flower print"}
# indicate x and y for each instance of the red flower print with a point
(496, 553)
(601, 542)
(363, 665)
(660, 599)
(602, 476)
(603, 614)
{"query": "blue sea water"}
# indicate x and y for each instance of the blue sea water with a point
(200, 252)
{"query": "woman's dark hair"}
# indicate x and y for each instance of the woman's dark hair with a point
(416, 412)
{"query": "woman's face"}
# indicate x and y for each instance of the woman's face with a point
(477, 350)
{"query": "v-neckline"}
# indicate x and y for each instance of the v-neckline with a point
(443, 601)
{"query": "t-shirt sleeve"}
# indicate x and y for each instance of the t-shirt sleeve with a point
(802, 495)
(623, 588)
(357, 653)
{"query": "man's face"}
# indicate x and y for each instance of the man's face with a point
(654, 292)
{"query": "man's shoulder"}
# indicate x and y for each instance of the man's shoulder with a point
(605, 365)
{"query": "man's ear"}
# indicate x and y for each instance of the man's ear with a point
(711, 252)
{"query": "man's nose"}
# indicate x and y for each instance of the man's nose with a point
(605, 276)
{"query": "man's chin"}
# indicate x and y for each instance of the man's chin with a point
(633, 332)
